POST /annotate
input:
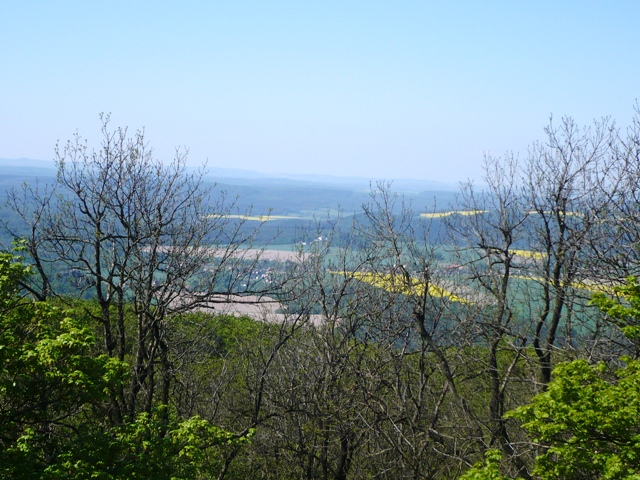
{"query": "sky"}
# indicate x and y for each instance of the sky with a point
(373, 89)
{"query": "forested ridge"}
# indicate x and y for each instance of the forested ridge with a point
(496, 338)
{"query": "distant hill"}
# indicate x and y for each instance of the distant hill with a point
(231, 175)
(295, 200)
(27, 167)
(280, 194)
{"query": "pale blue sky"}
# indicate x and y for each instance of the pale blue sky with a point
(384, 89)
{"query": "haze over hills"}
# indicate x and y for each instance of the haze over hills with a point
(402, 185)
(234, 176)
(27, 167)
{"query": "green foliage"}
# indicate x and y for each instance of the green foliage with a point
(229, 330)
(48, 379)
(623, 309)
(489, 469)
(146, 448)
(12, 272)
(585, 425)
(587, 422)
(54, 403)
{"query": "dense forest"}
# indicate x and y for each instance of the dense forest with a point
(498, 337)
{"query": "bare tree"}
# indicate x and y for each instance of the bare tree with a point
(565, 178)
(31, 204)
(618, 249)
(145, 237)
(486, 236)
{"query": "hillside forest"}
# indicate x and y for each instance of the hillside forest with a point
(495, 336)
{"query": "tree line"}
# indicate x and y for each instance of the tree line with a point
(503, 344)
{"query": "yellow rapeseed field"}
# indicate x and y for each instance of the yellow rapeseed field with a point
(452, 212)
(396, 284)
(530, 254)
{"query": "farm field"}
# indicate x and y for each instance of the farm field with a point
(260, 218)
(452, 212)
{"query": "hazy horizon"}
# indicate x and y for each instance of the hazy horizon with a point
(409, 90)
(222, 174)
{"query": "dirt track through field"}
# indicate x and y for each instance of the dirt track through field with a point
(258, 308)
(271, 255)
